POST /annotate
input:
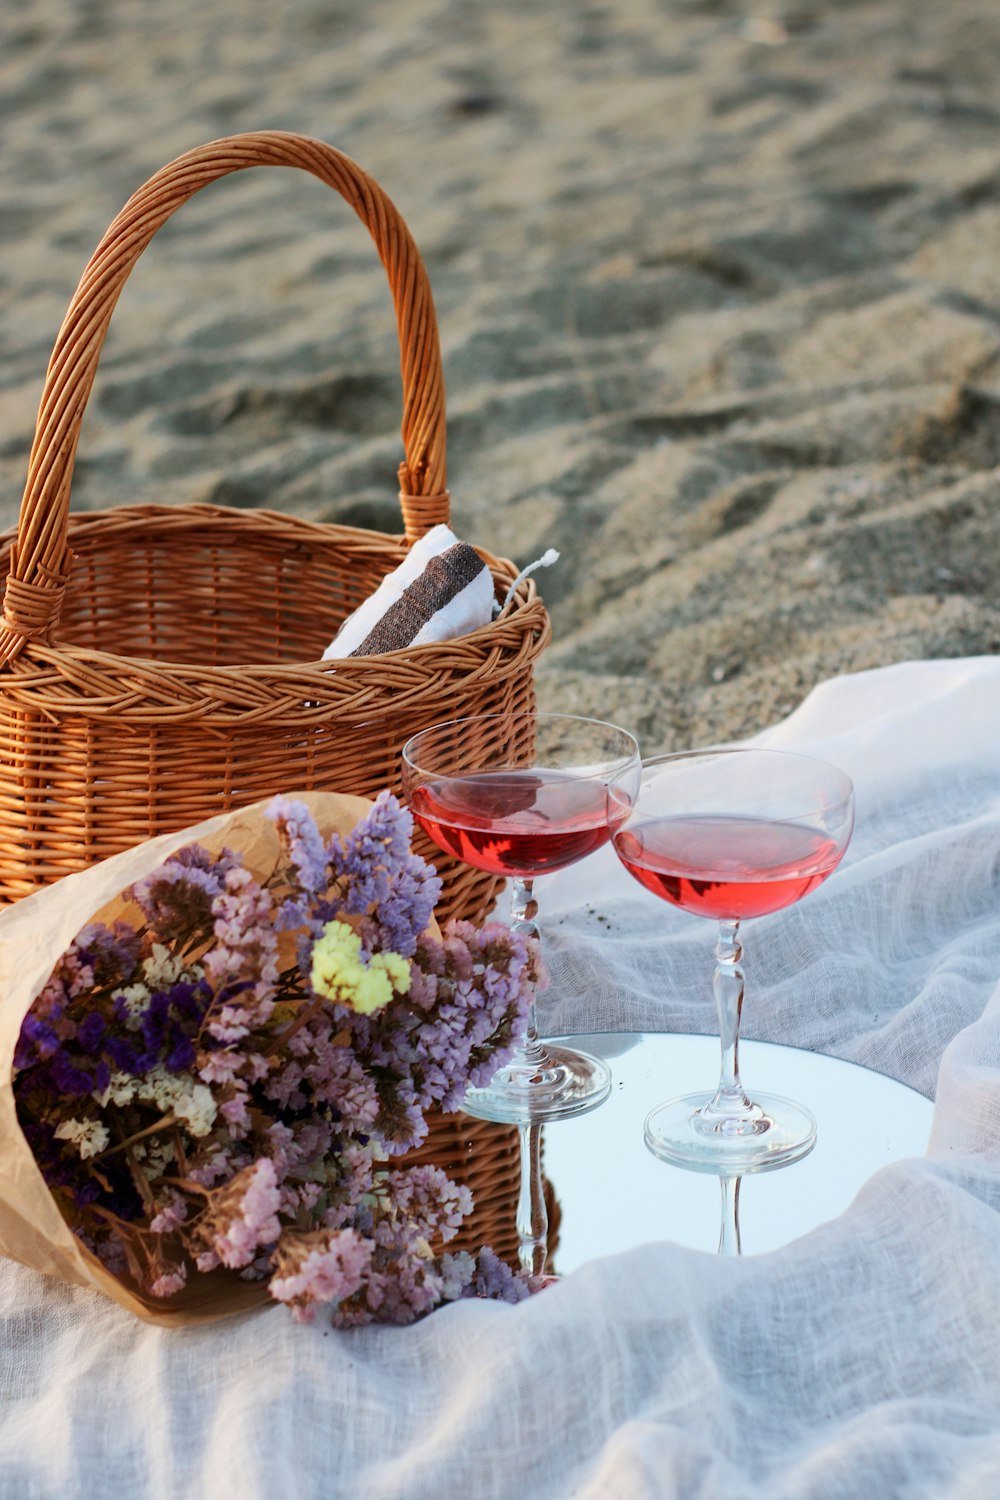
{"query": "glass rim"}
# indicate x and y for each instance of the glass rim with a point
(708, 751)
(621, 763)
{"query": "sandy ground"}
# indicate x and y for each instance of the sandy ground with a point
(718, 284)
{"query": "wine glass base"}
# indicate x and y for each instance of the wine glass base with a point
(778, 1133)
(565, 1084)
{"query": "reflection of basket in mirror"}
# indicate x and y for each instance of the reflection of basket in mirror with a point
(485, 1157)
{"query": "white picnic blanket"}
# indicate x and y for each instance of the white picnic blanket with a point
(861, 1361)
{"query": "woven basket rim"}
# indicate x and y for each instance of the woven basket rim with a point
(61, 678)
(485, 636)
(520, 613)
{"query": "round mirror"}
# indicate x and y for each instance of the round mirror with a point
(610, 1193)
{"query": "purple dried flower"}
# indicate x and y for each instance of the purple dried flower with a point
(302, 842)
(69, 1079)
(494, 1278)
(37, 1041)
(177, 898)
(90, 1032)
(111, 952)
(384, 879)
(170, 1216)
(257, 1113)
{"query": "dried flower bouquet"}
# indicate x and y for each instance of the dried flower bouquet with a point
(220, 1073)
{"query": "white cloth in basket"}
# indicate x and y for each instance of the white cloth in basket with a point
(441, 589)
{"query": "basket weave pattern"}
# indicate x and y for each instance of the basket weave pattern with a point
(159, 665)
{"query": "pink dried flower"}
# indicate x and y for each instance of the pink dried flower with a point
(318, 1268)
(171, 1215)
(234, 1112)
(243, 1215)
(170, 1281)
(220, 1067)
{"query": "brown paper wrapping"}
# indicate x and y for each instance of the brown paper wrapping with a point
(33, 934)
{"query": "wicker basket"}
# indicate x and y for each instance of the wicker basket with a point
(160, 664)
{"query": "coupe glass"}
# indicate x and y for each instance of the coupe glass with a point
(523, 795)
(730, 834)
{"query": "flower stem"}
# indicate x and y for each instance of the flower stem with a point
(163, 1123)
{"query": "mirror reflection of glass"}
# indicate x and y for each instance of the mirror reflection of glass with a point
(729, 1225)
(592, 1188)
(532, 1219)
(612, 1193)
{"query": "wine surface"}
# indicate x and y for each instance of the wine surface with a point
(521, 823)
(725, 867)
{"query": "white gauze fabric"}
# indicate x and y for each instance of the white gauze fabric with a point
(860, 1361)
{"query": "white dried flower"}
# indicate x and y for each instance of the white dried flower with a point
(135, 998)
(89, 1136)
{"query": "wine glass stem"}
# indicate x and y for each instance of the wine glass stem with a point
(727, 984)
(729, 1228)
(523, 910)
(532, 1215)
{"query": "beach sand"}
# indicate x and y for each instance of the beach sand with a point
(718, 287)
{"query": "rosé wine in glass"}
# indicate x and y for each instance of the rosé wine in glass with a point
(728, 868)
(730, 834)
(523, 795)
(521, 823)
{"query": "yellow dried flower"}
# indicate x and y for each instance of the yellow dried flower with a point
(341, 974)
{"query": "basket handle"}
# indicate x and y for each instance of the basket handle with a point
(40, 556)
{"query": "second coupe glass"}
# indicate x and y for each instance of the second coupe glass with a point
(729, 834)
(523, 795)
